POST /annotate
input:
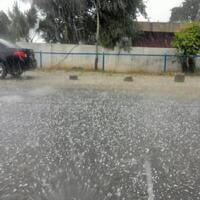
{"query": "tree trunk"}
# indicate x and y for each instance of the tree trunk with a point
(184, 64)
(191, 64)
(97, 37)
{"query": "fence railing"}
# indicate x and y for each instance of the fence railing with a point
(104, 55)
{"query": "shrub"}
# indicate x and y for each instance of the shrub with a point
(187, 43)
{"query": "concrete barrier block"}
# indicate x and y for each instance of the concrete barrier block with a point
(128, 79)
(179, 78)
(73, 77)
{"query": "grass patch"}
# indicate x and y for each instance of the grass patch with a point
(81, 70)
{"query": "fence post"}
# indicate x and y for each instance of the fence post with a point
(103, 62)
(41, 59)
(165, 62)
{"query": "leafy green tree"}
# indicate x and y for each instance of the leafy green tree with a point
(31, 17)
(21, 23)
(4, 24)
(117, 20)
(106, 23)
(18, 27)
(188, 11)
(72, 21)
(64, 21)
(187, 43)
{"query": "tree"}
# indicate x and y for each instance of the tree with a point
(21, 23)
(63, 21)
(4, 24)
(97, 8)
(18, 25)
(115, 21)
(187, 42)
(188, 11)
(72, 21)
(103, 22)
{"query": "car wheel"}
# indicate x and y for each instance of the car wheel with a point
(17, 72)
(3, 72)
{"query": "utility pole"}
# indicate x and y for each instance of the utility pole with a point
(97, 35)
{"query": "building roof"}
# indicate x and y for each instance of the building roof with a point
(164, 27)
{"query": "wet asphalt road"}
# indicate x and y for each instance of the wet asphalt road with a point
(84, 144)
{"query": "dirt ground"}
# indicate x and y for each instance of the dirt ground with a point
(161, 85)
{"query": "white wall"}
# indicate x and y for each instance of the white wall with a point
(152, 64)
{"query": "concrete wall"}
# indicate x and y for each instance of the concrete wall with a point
(117, 63)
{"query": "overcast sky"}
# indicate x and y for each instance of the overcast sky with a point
(157, 10)
(7, 4)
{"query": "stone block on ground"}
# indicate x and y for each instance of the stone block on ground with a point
(128, 79)
(179, 78)
(73, 77)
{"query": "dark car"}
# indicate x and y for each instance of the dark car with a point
(15, 60)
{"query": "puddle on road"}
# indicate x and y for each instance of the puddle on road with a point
(11, 99)
(42, 91)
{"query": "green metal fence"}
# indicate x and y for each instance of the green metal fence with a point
(104, 56)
